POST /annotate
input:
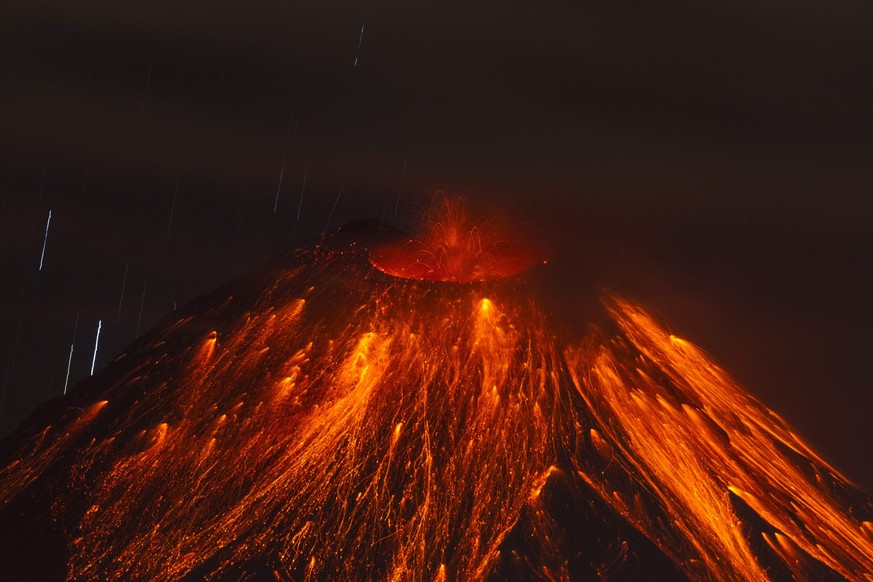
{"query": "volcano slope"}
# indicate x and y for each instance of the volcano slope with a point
(323, 419)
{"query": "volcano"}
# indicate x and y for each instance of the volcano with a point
(369, 407)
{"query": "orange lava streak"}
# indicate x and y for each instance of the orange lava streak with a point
(339, 423)
(696, 441)
(394, 416)
(41, 450)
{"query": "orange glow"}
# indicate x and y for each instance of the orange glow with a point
(406, 430)
(694, 440)
(456, 248)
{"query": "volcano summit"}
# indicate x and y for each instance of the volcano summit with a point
(323, 418)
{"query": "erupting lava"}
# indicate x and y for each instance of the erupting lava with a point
(456, 249)
(323, 419)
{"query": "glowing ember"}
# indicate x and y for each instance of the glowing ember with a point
(328, 421)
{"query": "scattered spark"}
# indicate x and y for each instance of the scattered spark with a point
(70, 359)
(96, 344)
(121, 300)
(279, 188)
(172, 207)
(360, 40)
(45, 240)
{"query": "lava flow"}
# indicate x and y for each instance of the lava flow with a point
(423, 420)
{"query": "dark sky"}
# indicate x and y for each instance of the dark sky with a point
(711, 159)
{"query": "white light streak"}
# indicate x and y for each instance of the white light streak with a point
(279, 188)
(302, 190)
(45, 240)
(69, 365)
(333, 208)
(360, 40)
(70, 359)
(96, 343)
(172, 207)
(141, 307)
(296, 119)
(121, 300)
(148, 78)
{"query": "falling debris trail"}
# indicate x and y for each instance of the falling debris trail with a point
(70, 358)
(48, 223)
(96, 344)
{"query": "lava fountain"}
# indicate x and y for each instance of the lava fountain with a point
(455, 248)
(380, 407)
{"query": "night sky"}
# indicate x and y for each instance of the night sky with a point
(712, 160)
